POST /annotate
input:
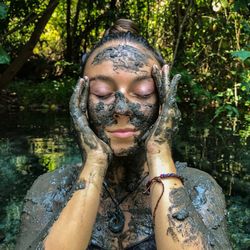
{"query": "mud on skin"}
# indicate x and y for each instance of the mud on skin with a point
(183, 218)
(124, 57)
(101, 115)
(170, 113)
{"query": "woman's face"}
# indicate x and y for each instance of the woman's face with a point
(123, 100)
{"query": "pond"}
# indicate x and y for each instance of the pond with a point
(34, 143)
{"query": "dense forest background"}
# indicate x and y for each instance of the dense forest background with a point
(41, 45)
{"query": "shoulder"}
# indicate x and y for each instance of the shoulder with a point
(203, 189)
(59, 178)
(43, 200)
(198, 180)
(208, 199)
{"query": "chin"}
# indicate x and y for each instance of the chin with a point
(128, 151)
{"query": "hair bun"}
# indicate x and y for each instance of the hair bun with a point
(123, 25)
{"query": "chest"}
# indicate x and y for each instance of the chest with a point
(120, 227)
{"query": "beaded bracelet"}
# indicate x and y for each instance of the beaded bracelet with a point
(159, 180)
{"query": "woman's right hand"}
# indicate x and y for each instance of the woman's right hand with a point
(92, 147)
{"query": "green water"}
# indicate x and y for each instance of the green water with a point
(34, 143)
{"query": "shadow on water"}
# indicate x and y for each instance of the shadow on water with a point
(34, 143)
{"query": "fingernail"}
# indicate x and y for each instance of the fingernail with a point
(165, 67)
(81, 80)
(155, 68)
(178, 77)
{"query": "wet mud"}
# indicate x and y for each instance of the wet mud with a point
(49, 193)
(124, 57)
(102, 115)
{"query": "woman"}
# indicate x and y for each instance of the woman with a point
(128, 194)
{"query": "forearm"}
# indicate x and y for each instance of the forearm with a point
(73, 228)
(177, 223)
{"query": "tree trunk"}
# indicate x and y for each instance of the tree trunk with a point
(91, 24)
(75, 54)
(27, 50)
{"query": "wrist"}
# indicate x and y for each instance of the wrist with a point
(98, 159)
(94, 171)
(160, 164)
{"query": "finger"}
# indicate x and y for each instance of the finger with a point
(165, 74)
(75, 98)
(85, 95)
(156, 74)
(145, 136)
(173, 89)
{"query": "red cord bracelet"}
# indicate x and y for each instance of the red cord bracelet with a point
(159, 180)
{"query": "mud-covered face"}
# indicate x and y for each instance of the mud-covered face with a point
(123, 101)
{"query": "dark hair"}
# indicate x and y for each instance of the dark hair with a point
(127, 30)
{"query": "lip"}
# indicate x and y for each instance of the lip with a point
(123, 133)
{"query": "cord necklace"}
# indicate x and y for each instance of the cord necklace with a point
(116, 219)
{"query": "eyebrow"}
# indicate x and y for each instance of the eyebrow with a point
(102, 78)
(110, 80)
(141, 78)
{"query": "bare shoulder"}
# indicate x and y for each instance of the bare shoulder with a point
(208, 199)
(205, 192)
(42, 201)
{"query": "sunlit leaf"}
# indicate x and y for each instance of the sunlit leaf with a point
(241, 54)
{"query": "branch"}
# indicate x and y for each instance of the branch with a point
(27, 49)
(180, 31)
(30, 18)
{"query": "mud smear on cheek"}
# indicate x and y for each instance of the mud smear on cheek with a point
(144, 116)
(101, 115)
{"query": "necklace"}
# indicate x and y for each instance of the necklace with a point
(116, 219)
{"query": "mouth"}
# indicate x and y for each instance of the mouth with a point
(123, 133)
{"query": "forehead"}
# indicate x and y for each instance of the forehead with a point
(122, 55)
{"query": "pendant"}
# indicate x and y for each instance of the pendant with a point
(116, 221)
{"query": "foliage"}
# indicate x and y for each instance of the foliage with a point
(3, 11)
(4, 57)
(47, 95)
(206, 41)
(241, 54)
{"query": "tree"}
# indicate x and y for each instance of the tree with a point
(27, 50)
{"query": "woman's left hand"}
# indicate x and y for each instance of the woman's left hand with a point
(159, 139)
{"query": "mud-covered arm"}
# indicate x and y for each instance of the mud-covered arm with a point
(73, 228)
(70, 226)
(178, 225)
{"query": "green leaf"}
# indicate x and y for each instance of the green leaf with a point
(241, 54)
(4, 57)
(240, 4)
(3, 11)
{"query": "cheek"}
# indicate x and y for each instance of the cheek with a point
(100, 114)
(144, 115)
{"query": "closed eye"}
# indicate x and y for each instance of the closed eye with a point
(103, 97)
(144, 96)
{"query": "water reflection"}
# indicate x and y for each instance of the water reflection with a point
(31, 144)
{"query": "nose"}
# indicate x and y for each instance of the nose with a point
(121, 105)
